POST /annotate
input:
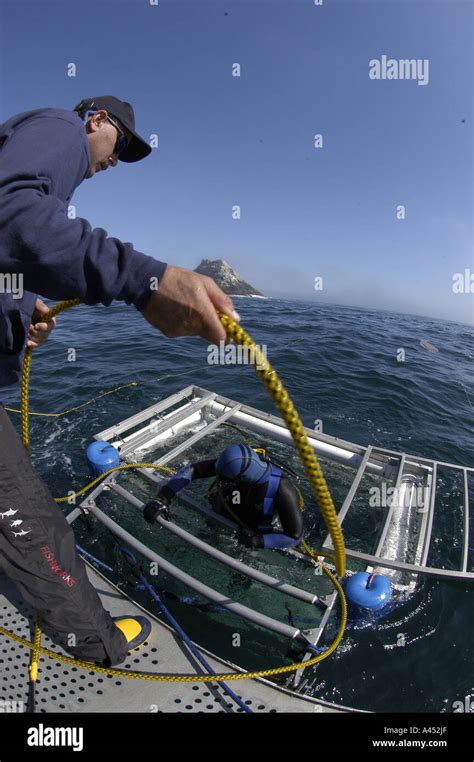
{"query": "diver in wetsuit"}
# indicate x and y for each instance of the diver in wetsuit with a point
(249, 489)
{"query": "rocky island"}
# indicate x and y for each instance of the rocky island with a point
(227, 278)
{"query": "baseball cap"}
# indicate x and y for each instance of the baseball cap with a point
(137, 148)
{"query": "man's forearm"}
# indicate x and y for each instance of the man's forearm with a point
(62, 258)
(183, 478)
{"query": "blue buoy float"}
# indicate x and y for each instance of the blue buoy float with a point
(101, 456)
(368, 591)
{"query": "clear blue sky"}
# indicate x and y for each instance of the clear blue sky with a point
(224, 140)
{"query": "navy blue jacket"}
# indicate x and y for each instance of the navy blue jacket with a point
(44, 156)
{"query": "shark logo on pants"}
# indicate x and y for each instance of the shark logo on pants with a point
(8, 514)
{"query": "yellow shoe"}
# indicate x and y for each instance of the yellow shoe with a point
(136, 629)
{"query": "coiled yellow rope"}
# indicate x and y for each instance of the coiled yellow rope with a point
(284, 404)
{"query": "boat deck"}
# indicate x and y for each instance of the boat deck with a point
(63, 688)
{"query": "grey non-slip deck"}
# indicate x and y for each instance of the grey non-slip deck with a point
(63, 688)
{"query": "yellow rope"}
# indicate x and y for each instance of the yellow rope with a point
(284, 404)
(25, 377)
(36, 649)
(278, 393)
(25, 435)
(315, 556)
(78, 407)
(123, 467)
(185, 678)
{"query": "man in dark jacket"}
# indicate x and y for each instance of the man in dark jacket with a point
(44, 155)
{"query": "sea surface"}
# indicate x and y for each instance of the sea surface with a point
(367, 378)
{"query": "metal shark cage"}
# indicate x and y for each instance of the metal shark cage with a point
(404, 542)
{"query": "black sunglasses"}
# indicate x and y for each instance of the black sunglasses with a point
(122, 141)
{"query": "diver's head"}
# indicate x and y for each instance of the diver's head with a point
(240, 463)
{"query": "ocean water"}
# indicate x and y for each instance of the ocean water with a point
(340, 366)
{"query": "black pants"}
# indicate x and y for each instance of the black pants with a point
(38, 552)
